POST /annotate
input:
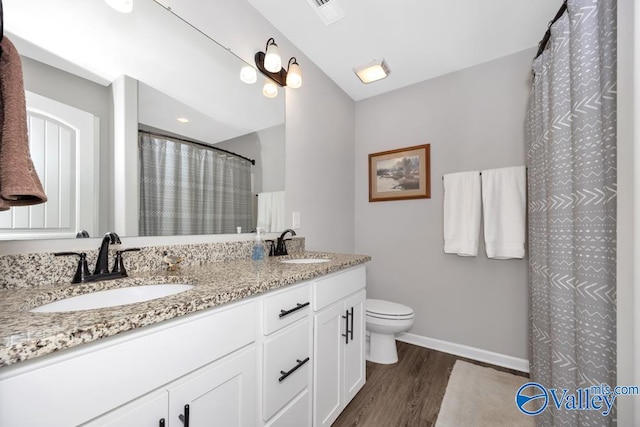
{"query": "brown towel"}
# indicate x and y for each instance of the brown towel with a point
(19, 182)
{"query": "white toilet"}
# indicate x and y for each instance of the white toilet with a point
(384, 320)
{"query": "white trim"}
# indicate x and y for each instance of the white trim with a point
(462, 350)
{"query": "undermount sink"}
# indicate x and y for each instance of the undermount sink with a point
(112, 298)
(304, 261)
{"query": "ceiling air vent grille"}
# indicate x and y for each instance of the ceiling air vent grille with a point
(329, 11)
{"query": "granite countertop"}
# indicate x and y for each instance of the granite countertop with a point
(25, 335)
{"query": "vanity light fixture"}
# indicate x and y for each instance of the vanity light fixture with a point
(123, 6)
(372, 71)
(248, 74)
(271, 67)
(272, 60)
(294, 75)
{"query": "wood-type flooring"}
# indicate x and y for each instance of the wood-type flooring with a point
(406, 394)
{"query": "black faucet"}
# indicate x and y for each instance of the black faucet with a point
(281, 247)
(102, 263)
(102, 268)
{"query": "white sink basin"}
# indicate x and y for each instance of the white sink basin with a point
(304, 261)
(112, 298)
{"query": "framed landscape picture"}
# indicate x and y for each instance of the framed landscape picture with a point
(400, 174)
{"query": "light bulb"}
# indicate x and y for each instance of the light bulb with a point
(270, 90)
(294, 76)
(272, 61)
(248, 74)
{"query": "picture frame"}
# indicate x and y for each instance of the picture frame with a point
(400, 174)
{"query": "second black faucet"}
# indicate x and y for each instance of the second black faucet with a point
(281, 247)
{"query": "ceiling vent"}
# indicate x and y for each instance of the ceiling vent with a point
(329, 11)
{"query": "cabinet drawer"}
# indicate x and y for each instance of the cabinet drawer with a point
(287, 366)
(295, 414)
(332, 288)
(286, 307)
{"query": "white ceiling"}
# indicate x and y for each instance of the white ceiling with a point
(420, 39)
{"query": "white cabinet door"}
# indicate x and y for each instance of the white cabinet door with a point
(329, 328)
(354, 350)
(222, 394)
(147, 411)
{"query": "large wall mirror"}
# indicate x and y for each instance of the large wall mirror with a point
(116, 75)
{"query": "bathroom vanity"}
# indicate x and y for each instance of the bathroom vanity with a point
(251, 344)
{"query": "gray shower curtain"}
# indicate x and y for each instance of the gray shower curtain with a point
(189, 189)
(571, 136)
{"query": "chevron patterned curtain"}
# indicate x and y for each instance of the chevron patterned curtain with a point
(571, 137)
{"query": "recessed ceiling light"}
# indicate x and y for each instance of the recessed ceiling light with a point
(182, 120)
(372, 71)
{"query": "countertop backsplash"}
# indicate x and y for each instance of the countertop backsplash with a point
(44, 269)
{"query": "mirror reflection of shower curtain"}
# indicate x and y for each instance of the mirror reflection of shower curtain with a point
(189, 189)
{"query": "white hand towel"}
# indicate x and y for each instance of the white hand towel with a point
(278, 205)
(462, 213)
(271, 211)
(504, 197)
(265, 201)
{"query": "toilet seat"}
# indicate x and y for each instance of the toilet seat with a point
(387, 310)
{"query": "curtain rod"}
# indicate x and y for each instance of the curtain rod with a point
(543, 43)
(480, 173)
(202, 144)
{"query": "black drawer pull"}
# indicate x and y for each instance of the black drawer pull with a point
(346, 330)
(185, 418)
(295, 368)
(296, 308)
(351, 330)
(161, 422)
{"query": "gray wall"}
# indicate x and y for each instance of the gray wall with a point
(320, 120)
(267, 148)
(473, 119)
(273, 156)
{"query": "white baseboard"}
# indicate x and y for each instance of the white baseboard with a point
(478, 354)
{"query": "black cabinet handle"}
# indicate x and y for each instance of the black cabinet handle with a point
(292, 370)
(346, 329)
(185, 417)
(161, 422)
(351, 330)
(296, 308)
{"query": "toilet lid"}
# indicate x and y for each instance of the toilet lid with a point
(387, 308)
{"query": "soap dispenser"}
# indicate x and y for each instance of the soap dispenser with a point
(258, 246)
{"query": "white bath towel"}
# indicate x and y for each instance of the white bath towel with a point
(462, 213)
(278, 205)
(503, 198)
(271, 211)
(264, 211)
